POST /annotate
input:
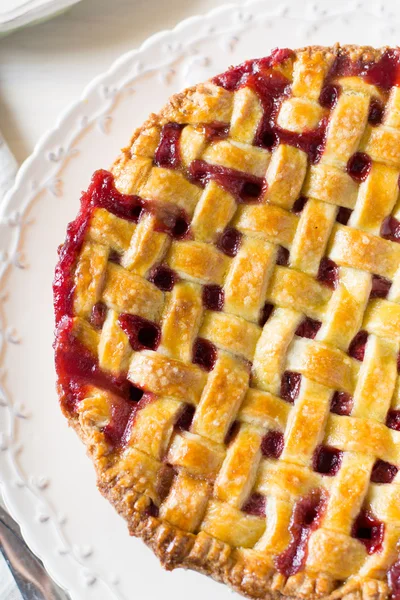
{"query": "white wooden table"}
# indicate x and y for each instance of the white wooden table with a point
(44, 68)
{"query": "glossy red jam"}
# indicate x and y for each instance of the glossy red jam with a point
(359, 166)
(299, 204)
(265, 313)
(232, 433)
(272, 444)
(380, 287)
(342, 403)
(393, 419)
(142, 334)
(369, 531)
(181, 228)
(204, 354)
(343, 215)
(383, 472)
(290, 386)
(258, 71)
(328, 273)
(229, 241)
(152, 510)
(135, 393)
(75, 361)
(163, 277)
(308, 328)
(327, 460)
(385, 73)
(121, 411)
(329, 96)
(390, 229)
(186, 417)
(251, 191)
(98, 315)
(255, 505)
(213, 297)
(375, 114)
(216, 131)
(311, 142)
(243, 186)
(282, 258)
(271, 87)
(358, 344)
(306, 518)
(167, 154)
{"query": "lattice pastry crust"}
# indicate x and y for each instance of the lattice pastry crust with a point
(228, 326)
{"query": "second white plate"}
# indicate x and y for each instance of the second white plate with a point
(48, 483)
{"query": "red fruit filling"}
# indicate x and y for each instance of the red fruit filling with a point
(164, 278)
(213, 297)
(383, 472)
(255, 505)
(308, 328)
(342, 403)
(282, 258)
(204, 354)
(272, 444)
(185, 418)
(380, 287)
(357, 346)
(359, 166)
(290, 386)
(390, 229)
(243, 186)
(265, 313)
(142, 334)
(306, 518)
(327, 460)
(393, 420)
(328, 273)
(167, 154)
(369, 531)
(229, 241)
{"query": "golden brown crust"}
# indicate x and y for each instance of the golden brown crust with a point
(242, 569)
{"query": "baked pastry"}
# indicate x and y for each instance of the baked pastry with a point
(228, 324)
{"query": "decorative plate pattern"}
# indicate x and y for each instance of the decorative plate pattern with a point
(48, 484)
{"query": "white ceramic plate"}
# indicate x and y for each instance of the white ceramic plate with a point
(17, 13)
(48, 483)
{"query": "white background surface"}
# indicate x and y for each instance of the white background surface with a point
(45, 67)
